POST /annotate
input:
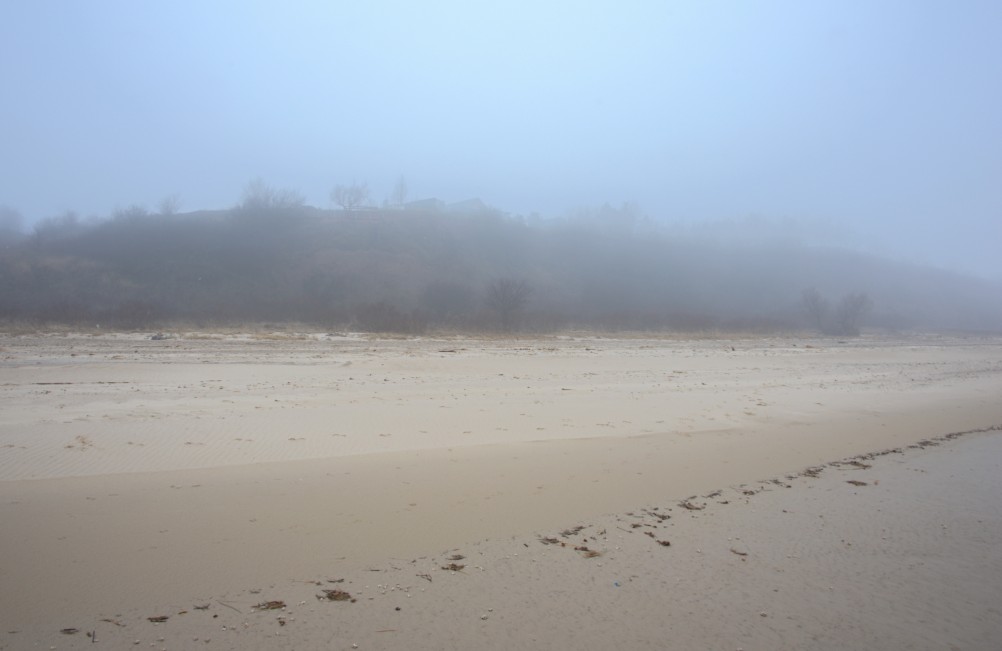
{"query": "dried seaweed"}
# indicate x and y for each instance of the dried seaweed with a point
(270, 605)
(335, 595)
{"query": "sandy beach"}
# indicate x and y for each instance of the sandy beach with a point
(460, 492)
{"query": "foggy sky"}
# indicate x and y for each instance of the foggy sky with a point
(878, 119)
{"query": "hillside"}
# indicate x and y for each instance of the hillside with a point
(411, 270)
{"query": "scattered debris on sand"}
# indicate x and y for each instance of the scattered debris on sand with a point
(663, 543)
(270, 605)
(586, 552)
(567, 533)
(335, 595)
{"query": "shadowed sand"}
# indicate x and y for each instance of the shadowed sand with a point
(143, 478)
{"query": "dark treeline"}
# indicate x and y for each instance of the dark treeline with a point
(278, 260)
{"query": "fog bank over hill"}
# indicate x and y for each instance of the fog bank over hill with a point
(273, 258)
(876, 120)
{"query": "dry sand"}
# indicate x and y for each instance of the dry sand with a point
(144, 478)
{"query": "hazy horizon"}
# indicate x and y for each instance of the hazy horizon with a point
(873, 122)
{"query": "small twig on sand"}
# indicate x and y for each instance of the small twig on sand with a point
(223, 603)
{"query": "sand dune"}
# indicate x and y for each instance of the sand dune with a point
(144, 477)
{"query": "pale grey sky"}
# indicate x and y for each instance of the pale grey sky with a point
(876, 117)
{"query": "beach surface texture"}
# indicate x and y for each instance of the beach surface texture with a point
(294, 490)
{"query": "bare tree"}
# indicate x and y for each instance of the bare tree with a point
(816, 306)
(56, 228)
(351, 196)
(850, 310)
(134, 211)
(844, 321)
(259, 197)
(399, 195)
(169, 205)
(506, 297)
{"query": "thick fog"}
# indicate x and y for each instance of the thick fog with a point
(407, 269)
(869, 127)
